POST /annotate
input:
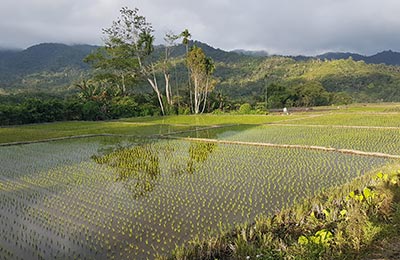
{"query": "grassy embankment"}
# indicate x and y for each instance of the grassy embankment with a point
(353, 115)
(135, 126)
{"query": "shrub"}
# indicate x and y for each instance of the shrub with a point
(245, 109)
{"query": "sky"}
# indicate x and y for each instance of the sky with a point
(289, 27)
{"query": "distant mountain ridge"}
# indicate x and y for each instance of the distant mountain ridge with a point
(46, 65)
(388, 57)
(56, 56)
(259, 53)
(44, 56)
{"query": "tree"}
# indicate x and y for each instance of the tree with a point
(113, 66)
(185, 41)
(310, 93)
(278, 95)
(170, 42)
(128, 46)
(201, 70)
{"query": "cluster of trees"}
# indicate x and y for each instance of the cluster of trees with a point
(39, 110)
(302, 94)
(127, 59)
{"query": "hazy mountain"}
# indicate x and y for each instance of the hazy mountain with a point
(218, 54)
(45, 56)
(386, 57)
(251, 53)
(47, 65)
(341, 55)
(55, 57)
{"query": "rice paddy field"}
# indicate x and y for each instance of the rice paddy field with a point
(137, 188)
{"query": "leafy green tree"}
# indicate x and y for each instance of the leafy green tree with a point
(113, 66)
(123, 107)
(278, 95)
(341, 98)
(91, 90)
(128, 46)
(201, 70)
(310, 93)
(93, 110)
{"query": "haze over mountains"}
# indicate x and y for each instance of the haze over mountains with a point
(387, 57)
(55, 55)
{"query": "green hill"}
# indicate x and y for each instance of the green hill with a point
(243, 76)
(364, 82)
(45, 67)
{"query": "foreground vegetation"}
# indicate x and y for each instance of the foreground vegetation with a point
(345, 222)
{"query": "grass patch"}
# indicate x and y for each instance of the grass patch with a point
(134, 126)
(64, 129)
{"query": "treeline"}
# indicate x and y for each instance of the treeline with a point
(17, 109)
(40, 110)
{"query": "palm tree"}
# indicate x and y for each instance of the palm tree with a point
(185, 40)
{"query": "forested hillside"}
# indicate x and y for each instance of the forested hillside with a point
(361, 81)
(46, 67)
(243, 76)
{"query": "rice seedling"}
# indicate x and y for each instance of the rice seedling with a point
(114, 197)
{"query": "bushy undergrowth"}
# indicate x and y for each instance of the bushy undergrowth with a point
(337, 224)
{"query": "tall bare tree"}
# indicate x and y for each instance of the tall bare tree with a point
(201, 70)
(185, 41)
(170, 42)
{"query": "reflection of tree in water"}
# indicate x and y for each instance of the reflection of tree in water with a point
(138, 167)
(198, 153)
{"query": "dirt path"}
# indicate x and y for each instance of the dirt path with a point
(308, 147)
